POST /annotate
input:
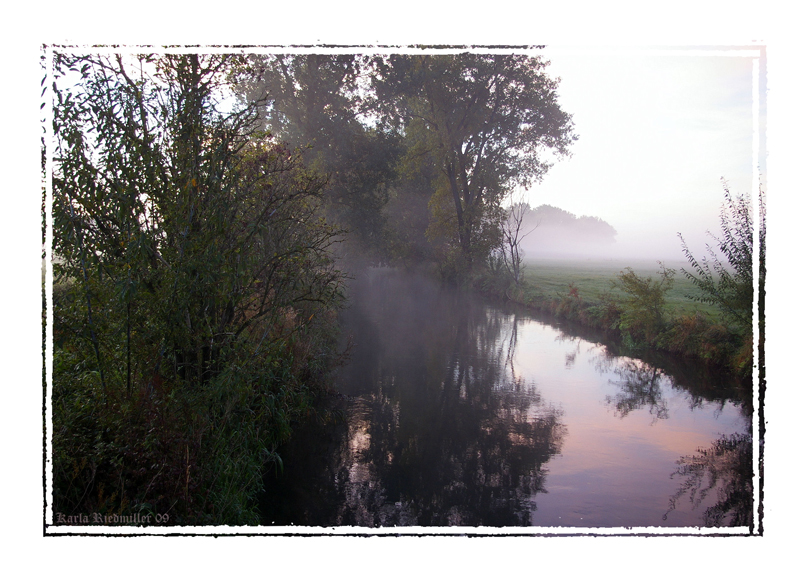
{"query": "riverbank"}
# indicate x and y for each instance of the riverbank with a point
(181, 453)
(591, 294)
(596, 278)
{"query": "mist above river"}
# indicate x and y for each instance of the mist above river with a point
(462, 412)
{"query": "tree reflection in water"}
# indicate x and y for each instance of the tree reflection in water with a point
(442, 429)
(640, 386)
(446, 433)
(721, 474)
(724, 472)
(459, 469)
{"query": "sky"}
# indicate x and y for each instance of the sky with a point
(657, 131)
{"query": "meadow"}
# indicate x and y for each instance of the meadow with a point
(595, 278)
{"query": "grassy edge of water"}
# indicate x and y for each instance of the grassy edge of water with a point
(697, 335)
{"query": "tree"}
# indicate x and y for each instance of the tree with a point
(487, 121)
(727, 281)
(316, 102)
(563, 233)
(193, 286)
(724, 470)
(640, 386)
(302, 98)
(510, 248)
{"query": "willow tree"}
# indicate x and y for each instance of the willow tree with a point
(193, 288)
(491, 123)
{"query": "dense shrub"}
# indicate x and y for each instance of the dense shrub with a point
(643, 317)
(570, 304)
(606, 315)
(696, 336)
(727, 282)
(194, 292)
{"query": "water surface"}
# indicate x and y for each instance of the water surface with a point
(462, 412)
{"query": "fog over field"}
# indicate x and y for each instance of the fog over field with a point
(553, 242)
(658, 130)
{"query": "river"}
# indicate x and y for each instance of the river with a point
(456, 411)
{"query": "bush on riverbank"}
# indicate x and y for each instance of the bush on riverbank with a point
(640, 318)
(169, 448)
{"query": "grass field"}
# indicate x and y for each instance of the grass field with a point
(550, 278)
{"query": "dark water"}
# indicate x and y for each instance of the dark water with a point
(460, 412)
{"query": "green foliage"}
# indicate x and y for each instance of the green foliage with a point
(194, 290)
(606, 314)
(418, 151)
(407, 211)
(316, 102)
(697, 336)
(484, 121)
(643, 316)
(726, 281)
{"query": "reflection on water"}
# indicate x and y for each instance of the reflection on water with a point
(724, 471)
(639, 386)
(463, 413)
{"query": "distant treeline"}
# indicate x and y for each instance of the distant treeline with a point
(553, 231)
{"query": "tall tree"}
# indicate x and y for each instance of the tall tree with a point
(317, 101)
(489, 122)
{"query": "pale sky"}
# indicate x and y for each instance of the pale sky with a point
(658, 129)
